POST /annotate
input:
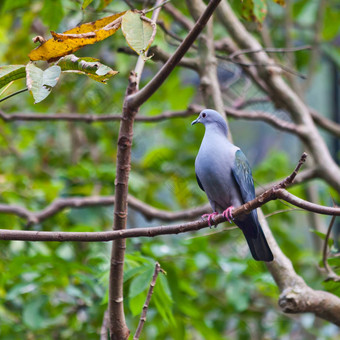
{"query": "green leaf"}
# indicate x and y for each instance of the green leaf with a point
(138, 32)
(32, 316)
(87, 66)
(163, 300)
(39, 82)
(141, 282)
(128, 274)
(10, 73)
(136, 303)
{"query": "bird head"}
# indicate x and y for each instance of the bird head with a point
(211, 118)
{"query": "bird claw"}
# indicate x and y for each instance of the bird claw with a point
(210, 217)
(228, 214)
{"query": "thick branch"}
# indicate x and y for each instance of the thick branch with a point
(296, 296)
(146, 92)
(118, 327)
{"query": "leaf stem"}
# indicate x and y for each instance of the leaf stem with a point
(13, 94)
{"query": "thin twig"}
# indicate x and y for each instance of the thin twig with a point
(276, 212)
(232, 57)
(270, 49)
(147, 301)
(289, 180)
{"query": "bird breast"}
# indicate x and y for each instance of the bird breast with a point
(213, 167)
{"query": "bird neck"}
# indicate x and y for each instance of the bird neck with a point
(217, 130)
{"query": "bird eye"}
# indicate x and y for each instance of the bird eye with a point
(204, 115)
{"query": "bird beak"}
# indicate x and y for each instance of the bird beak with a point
(195, 121)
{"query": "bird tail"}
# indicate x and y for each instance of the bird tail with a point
(256, 240)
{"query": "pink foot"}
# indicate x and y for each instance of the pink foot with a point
(228, 214)
(210, 217)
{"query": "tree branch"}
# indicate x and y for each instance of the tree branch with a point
(325, 123)
(296, 296)
(148, 211)
(104, 236)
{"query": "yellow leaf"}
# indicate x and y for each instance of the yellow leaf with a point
(72, 40)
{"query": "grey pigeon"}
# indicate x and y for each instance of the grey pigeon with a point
(223, 172)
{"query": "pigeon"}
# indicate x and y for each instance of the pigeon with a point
(224, 174)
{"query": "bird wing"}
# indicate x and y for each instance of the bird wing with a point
(199, 182)
(243, 176)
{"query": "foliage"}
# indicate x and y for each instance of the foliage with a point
(212, 288)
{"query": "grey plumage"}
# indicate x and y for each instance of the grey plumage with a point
(223, 172)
